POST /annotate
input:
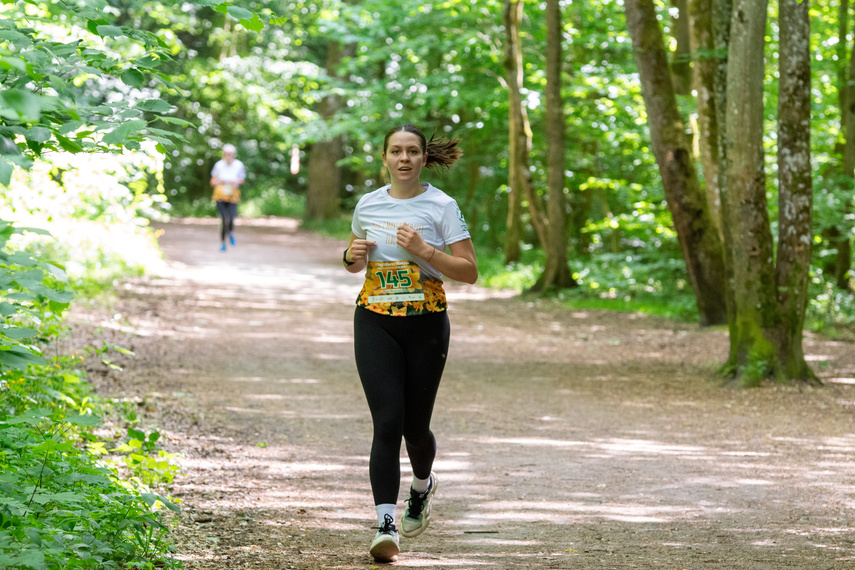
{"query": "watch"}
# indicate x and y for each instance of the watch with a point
(344, 258)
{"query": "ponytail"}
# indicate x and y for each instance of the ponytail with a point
(440, 151)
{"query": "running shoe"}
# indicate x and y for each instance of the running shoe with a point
(223, 247)
(232, 238)
(384, 547)
(416, 517)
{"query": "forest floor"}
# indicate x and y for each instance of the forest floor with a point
(567, 438)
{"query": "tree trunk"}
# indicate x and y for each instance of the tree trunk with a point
(556, 274)
(681, 65)
(699, 241)
(843, 245)
(519, 141)
(706, 62)
(722, 11)
(324, 175)
(747, 216)
(795, 187)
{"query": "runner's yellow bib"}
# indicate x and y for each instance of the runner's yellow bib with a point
(396, 288)
(226, 192)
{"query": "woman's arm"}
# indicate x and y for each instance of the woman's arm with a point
(357, 252)
(459, 265)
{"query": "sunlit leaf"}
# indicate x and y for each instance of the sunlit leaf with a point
(133, 77)
(154, 105)
(123, 131)
(109, 31)
(20, 105)
(89, 421)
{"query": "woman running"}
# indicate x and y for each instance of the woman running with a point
(405, 236)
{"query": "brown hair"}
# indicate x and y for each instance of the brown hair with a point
(440, 151)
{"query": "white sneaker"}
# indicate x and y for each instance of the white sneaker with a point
(416, 517)
(384, 547)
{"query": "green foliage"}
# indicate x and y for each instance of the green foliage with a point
(60, 505)
(96, 207)
(53, 96)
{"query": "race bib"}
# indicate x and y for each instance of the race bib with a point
(227, 189)
(393, 282)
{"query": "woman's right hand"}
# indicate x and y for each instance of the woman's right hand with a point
(359, 249)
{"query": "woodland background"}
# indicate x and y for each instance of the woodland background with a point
(691, 159)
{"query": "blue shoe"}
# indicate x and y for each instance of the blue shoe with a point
(232, 238)
(223, 247)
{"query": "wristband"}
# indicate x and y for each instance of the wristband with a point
(344, 259)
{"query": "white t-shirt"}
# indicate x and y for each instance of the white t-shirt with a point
(433, 213)
(229, 172)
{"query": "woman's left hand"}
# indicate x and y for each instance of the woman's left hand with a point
(412, 241)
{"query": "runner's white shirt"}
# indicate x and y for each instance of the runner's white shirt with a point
(229, 172)
(433, 213)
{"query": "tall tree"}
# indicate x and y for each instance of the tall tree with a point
(699, 240)
(557, 273)
(840, 234)
(795, 187)
(681, 64)
(324, 183)
(703, 47)
(519, 135)
(762, 345)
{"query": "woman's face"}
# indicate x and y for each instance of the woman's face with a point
(404, 157)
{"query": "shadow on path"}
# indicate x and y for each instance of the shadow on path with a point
(568, 439)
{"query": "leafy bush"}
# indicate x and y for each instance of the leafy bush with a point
(97, 208)
(61, 504)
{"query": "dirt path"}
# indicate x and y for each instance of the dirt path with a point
(567, 439)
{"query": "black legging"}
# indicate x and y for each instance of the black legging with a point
(228, 213)
(400, 362)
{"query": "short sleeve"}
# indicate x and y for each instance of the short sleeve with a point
(355, 225)
(453, 226)
(241, 172)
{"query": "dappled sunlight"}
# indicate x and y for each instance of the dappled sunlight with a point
(569, 512)
(554, 448)
(277, 381)
(839, 380)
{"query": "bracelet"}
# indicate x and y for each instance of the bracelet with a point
(431, 255)
(344, 259)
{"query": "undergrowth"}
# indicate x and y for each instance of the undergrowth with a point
(81, 486)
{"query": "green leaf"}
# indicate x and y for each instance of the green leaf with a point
(68, 145)
(18, 359)
(7, 309)
(254, 24)
(8, 146)
(64, 497)
(39, 134)
(239, 13)
(69, 127)
(8, 63)
(16, 38)
(175, 121)
(6, 170)
(89, 421)
(109, 31)
(154, 105)
(123, 131)
(169, 504)
(18, 333)
(20, 105)
(133, 77)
